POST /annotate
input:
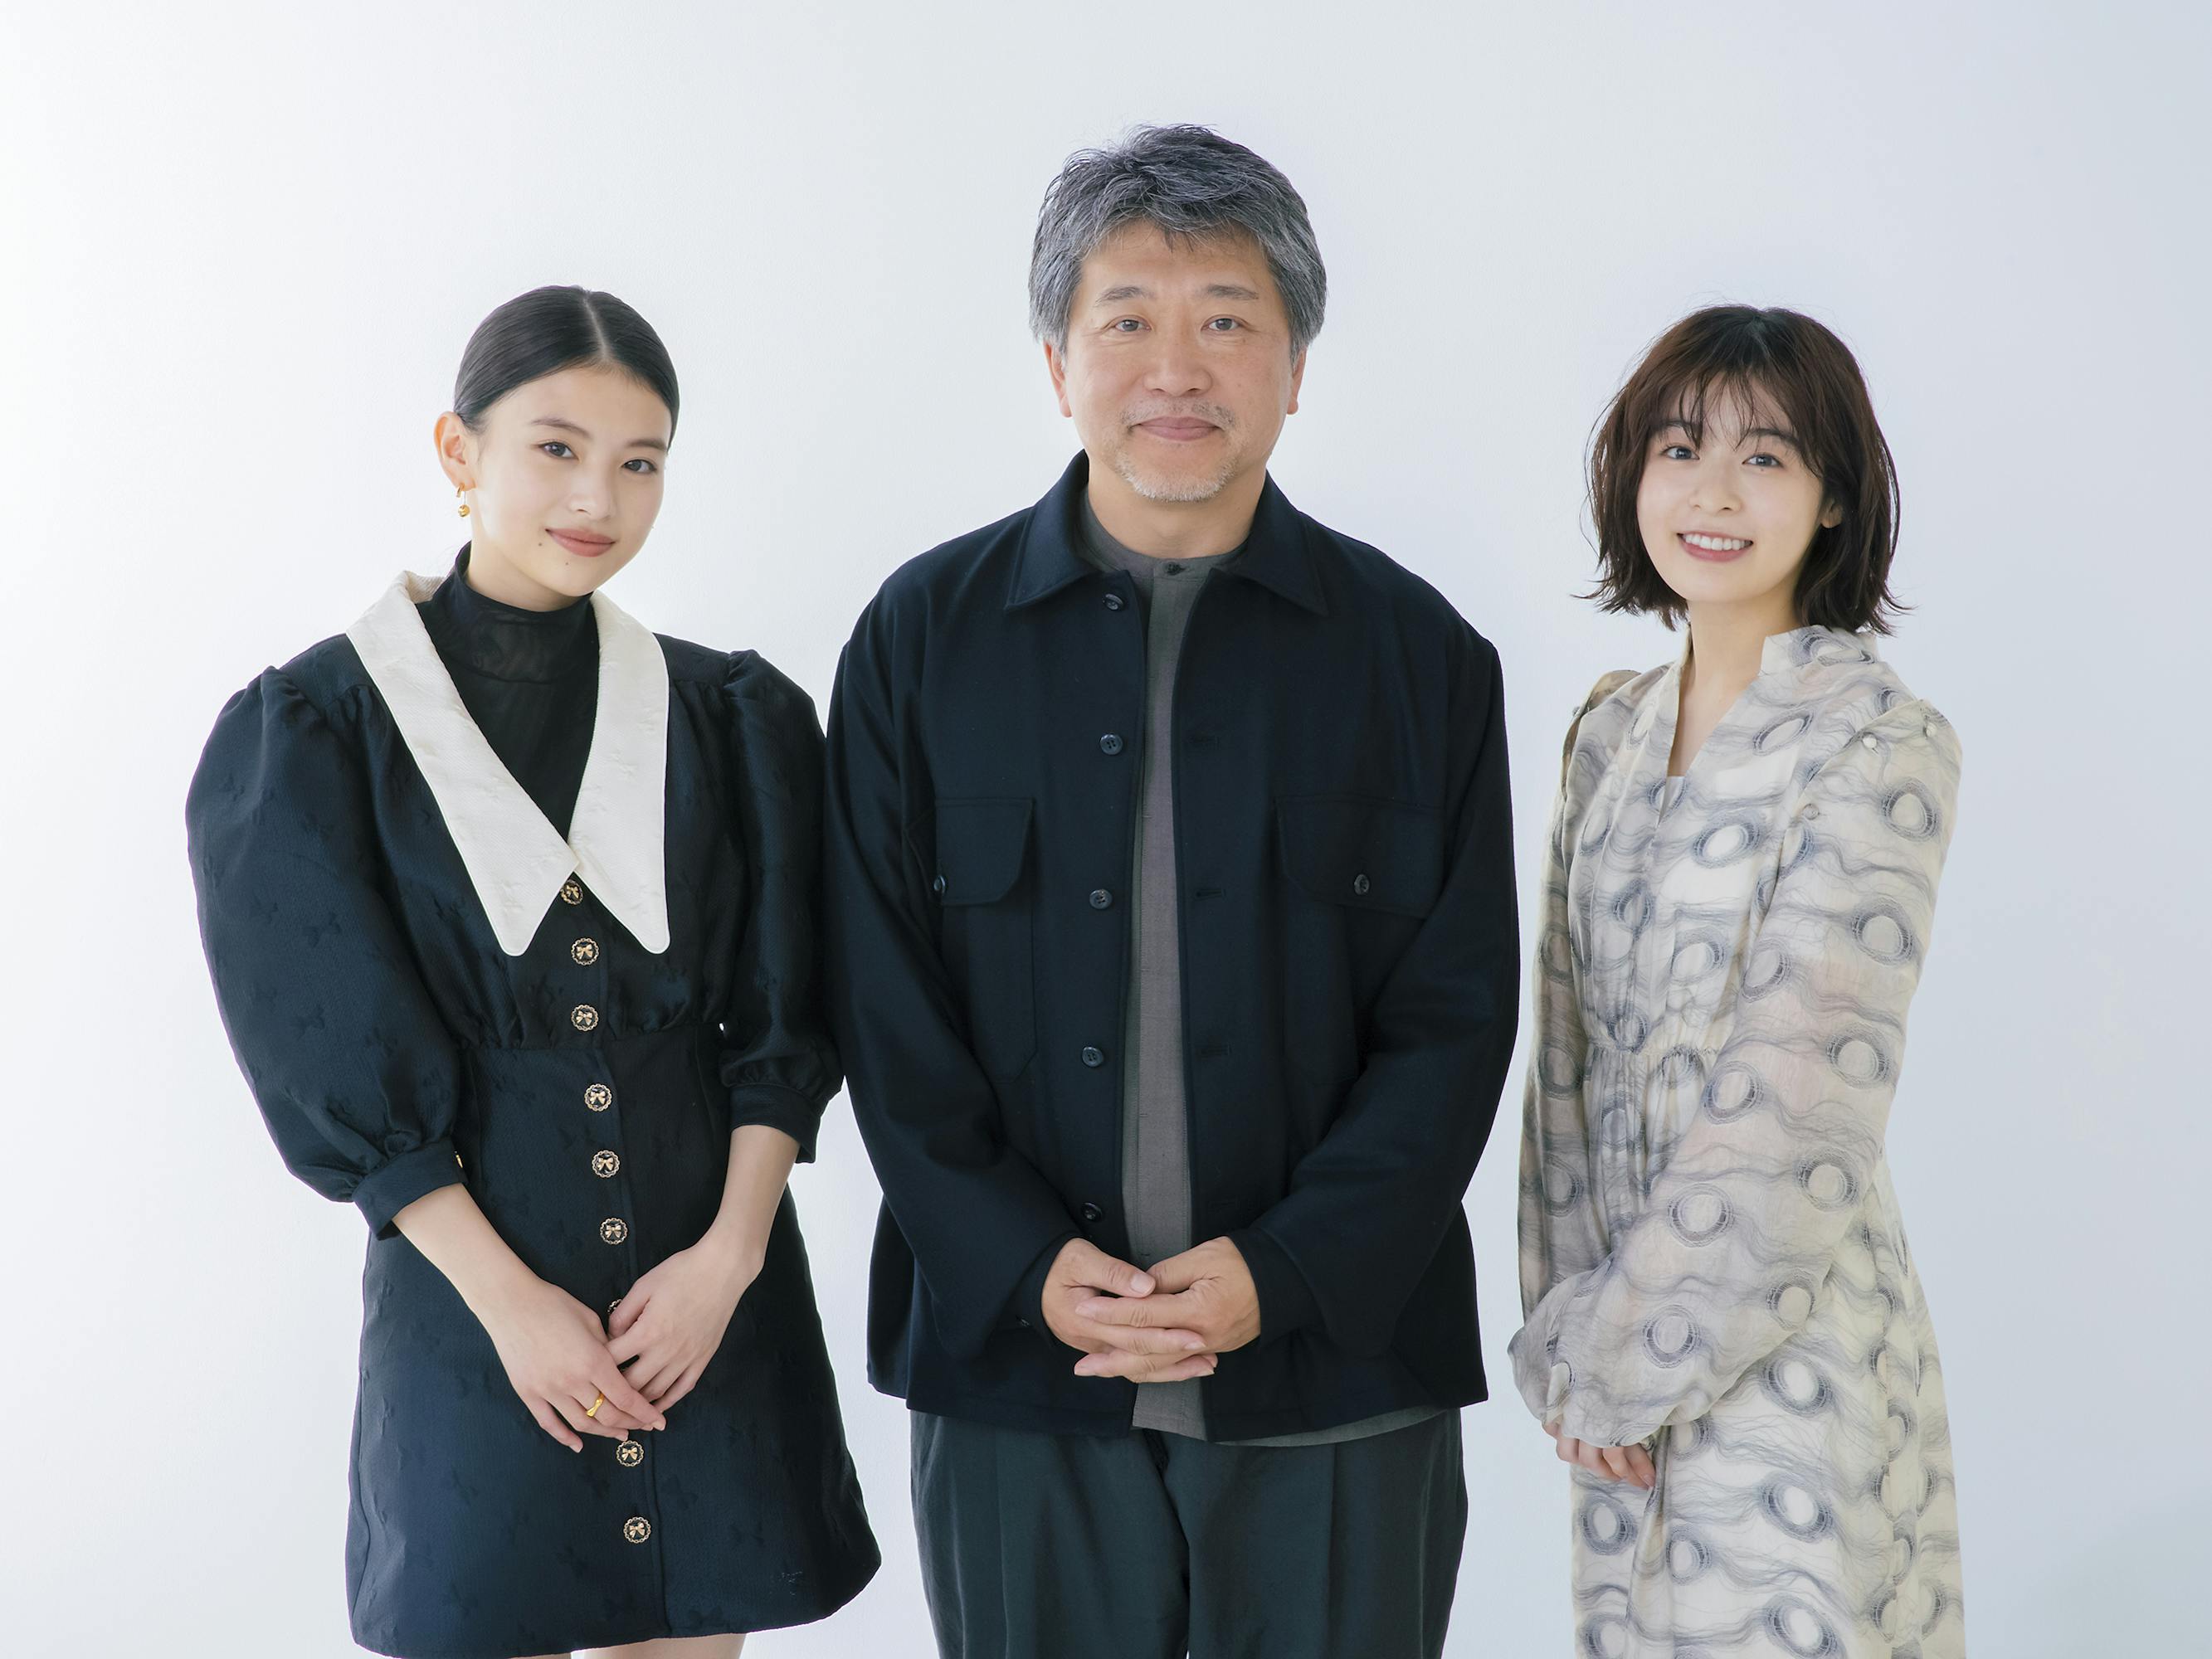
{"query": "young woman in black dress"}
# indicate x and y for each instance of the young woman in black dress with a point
(510, 908)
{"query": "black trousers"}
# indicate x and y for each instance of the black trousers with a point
(1151, 1546)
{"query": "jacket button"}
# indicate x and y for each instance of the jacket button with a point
(598, 1097)
(1111, 742)
(614, 1230)
(1359, 885)
(1112, 601)
(938, 886)
(585, 951)
(1093, 1057)
(637, 1529)
(1093, 1212)
(605, 1163)
(572, 891)
(1871, 741)
(628, 1453)
(1100, 898)
(583, 1017)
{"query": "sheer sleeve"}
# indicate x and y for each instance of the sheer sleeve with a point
(356, 1075)
(1561, 1231)
(780, 1063)
(1740, 1229)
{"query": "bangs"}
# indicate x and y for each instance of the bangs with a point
(1690, 401)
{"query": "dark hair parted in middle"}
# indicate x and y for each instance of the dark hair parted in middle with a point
(1191, 183)
(1811, 379)
(550, 329)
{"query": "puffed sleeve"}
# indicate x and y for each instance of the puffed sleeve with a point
(781, 1064)
(355, 1075)
(1739, 1233)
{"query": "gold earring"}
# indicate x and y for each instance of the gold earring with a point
(464, 506)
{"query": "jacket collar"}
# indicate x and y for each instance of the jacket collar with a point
(1278, 552)
(516, 859)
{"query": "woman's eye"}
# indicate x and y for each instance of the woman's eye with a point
(552, 445)
(1764, 460)
(1677, 452)
(644, 467)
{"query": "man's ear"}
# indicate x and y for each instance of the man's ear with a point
(1056, 366)
(1298, 379)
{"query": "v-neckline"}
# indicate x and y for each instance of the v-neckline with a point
(516, 860)
(1666, 702)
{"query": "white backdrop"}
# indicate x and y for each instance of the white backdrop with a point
(242, 246)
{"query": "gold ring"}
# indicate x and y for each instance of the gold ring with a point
(592, 1410)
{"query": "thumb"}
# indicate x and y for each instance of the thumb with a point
(1124, 1278)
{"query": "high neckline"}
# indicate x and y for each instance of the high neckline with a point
(484, 635)
(1798, 648)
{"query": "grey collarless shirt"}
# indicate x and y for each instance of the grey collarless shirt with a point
(1155, 1112)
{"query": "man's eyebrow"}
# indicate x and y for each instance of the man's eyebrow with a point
(1121, 291)
(560, 425)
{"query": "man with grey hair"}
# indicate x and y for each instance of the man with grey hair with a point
(1174, 959)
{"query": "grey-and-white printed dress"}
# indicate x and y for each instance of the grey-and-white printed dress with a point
(1711, 1257)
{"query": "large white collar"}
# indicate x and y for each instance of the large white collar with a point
(517, 860)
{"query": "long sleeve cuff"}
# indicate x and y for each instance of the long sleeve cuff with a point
(1286, 1301)
(384, 1193)
(777, 1108)
(1027, 1304)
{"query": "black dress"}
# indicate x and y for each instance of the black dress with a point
(527, 900)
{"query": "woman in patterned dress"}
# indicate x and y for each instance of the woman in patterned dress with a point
(509, 905)
(1725, 1333)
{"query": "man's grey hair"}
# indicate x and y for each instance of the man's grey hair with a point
(1195, 186)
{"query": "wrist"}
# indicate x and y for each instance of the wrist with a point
(737, 1248)
(502, 1289)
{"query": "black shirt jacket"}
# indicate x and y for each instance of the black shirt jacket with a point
(1351, 959)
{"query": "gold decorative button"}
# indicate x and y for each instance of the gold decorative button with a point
(614, 1230)
(629, 1454)
(637, 1528)
(586, 952)
(605, 1164)
(583, 1017)
(572, 891)
(598, 1097)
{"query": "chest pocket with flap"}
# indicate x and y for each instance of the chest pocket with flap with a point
(1362, 871)
(976, 853)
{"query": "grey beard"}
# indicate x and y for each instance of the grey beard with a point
(1200, 489)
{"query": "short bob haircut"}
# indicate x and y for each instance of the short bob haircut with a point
(1808, 375)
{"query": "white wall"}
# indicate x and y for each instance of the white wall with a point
(240, 248)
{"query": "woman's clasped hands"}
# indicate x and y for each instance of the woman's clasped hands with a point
(579, 1377)
(1630, 1463)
